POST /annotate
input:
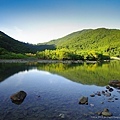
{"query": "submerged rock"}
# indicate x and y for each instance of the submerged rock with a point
(98, 93)
(83, 100)
(107, 94)
(18, 97)
(99, 113)
(92, 95)
(62, 115)
(116, 98)
(106, 113)
(110, 89)
(103, 92)
(115, 83)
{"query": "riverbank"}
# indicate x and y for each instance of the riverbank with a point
(39, 61)
(44, 61)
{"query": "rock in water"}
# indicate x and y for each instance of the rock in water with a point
(115, 83)
(18, 97)
(92, 95)
(106, 113)
(107, 87)
(83, 100)
(110, 89)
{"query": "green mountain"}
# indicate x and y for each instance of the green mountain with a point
(104, 40)
(11, 45)
(78, 45)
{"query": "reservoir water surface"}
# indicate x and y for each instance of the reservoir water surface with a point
(54, 90)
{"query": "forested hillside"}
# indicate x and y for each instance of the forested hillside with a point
(101, 39)
(16, 46)
(89, 44)
(11, 48)
(13, 45)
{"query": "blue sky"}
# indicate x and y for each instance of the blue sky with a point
(37, 21)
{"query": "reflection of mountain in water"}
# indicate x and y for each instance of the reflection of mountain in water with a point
(8, 69)
(98, 74)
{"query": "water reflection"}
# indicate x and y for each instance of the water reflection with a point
(9, 69)
(53, 91)
(98, 74)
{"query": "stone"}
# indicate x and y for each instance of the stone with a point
(99, 113)
(116, 98)
(110, 89)
(106, 91)
(107, 94)
(92, 95)
(102, 102)
(110, 98)
(103, 92)
(18, 97)
(106, 113)
(98, 93)
(107, 87)
(115, 83)
(83, 100)
(62, 115)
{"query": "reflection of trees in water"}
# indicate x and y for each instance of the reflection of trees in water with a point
(8, 69)
(98, 74)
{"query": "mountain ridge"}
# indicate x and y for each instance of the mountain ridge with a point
(12, 45)
(104, 40)
(100, 39)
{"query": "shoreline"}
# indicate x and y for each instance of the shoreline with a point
(46, 61)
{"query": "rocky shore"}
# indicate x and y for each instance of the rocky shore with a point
(108, 95)
(43, 61)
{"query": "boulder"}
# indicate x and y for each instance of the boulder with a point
(115, 83)
(110, 89)
(83, 100)
(106, 113)
(18, 97)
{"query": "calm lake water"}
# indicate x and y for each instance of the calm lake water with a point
(54, 90)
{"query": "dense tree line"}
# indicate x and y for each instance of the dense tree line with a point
(105, 41)
(66, 54)
(87, 44)
(4, 54)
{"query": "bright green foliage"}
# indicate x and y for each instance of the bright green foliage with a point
(97, 44)
(105, 41)
(98, 74)
(4, 54)
(66, 54)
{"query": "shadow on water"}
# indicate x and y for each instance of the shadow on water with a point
(9, 69)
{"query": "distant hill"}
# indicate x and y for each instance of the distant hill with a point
(101, 39)
(16, 46)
